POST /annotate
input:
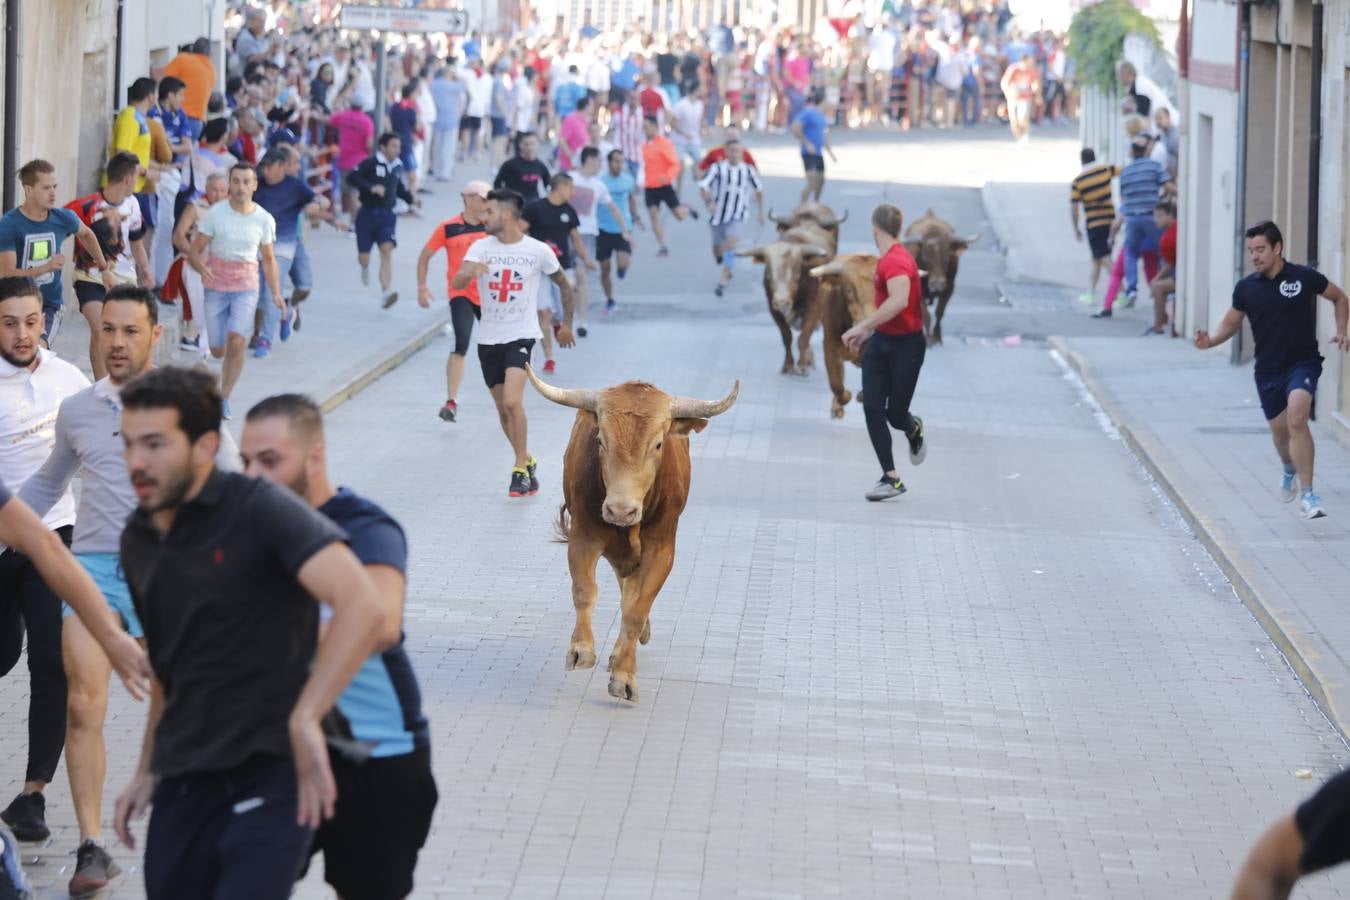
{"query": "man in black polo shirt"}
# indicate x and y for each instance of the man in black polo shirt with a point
(224, 571)
(379, 739)
(1280, 299)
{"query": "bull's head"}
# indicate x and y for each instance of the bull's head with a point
(784, 262)
(633, 421)
(937, 253)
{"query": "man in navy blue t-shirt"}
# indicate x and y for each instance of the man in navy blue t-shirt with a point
(378, 738)
(1280, 300)
(286, 197)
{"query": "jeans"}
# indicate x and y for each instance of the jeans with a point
(970, 101)
(1141, 236)
(28, 605)
(292, 261)
(796, 101)
(161, 247)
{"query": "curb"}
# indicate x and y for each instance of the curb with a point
(386, 365)
(1302, 648)
(1012, 257)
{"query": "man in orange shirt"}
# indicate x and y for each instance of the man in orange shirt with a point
(194, 68)
(661, 166)
(455, 235)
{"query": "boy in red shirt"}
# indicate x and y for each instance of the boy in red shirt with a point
(893, 346)
(1165, 282)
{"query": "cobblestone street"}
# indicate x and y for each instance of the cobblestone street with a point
(1024, 678)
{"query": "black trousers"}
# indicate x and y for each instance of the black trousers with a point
(227, 835)
(27, 604)
(890, 373)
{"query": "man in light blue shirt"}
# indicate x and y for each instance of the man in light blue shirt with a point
(610, 242)
(450, 96)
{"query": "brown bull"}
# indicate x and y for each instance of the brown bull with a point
(937, 249)
(847, 297)
(791, 290)
(625, 483)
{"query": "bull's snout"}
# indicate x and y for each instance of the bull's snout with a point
(936, 284)
(621, 511)
(783, 304)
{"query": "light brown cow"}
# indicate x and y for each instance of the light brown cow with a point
(625, 483)
(847, 297)
(791, 290)
(937, 250)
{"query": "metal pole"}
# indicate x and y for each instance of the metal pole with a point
(377, 114)
(1315, 135)
(1240, 198)
(11, 130)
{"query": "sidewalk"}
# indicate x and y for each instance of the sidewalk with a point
(1193, 420)
(346, 340)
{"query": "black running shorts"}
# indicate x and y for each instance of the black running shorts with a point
(655, 196)
(383, 816)
(607, 244)
(495, 359)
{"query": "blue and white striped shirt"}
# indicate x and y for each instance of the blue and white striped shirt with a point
(1140, 182)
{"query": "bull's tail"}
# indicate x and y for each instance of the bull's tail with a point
(562, 526)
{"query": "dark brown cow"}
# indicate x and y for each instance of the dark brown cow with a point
(625, 483)
(791, 290)
(937, 249)
(847, 297)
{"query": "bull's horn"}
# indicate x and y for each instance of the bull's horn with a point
(751, 252)
(777, 221)
(970, 240)
(833, 267)
(834, 221)
(813, 250)
(573, 397)
(689, 408)
(842, 219)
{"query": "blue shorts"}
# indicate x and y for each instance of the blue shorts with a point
(1274, 390)
(229, 312)
(149, 204)
(374, 225)
(106, 570)
(408, 158)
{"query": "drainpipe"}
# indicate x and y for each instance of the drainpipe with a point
(11, 101)
(1240, 192)
(117, 61)
(1315, 135)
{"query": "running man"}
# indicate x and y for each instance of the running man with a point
(615, 238)
(893, 345)
(509, 266)
(234, 762)
(660, 170)
(553, 220)
(1280, 299)
(1092, 189)
(814, 136)
(239, 234)
(88, 441)
(378, 181)
(1307, 840)
(21, 529)
(590, 196)
(31, 236)
(380, 744)
(727, 189)
(455, 235)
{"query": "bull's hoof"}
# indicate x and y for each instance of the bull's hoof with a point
(623, 687)
(646, 634)
(859, 397)
(836, 410)
(787, 368)
(806, 359)
(580, 658)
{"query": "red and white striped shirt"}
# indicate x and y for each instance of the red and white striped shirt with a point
(628, 131)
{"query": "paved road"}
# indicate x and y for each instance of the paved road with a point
(1024, 678)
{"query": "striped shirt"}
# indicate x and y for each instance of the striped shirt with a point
(731, 187)
(1092, 188)
(1140, 182)
(628, 131)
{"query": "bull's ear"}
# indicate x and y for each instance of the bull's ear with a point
(684, 426)
(962, 244)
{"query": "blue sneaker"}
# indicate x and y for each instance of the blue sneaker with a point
(225, 409)
(263, 349)
(286, 324)
(1311, 505)
(1288, 487)
(14, 884)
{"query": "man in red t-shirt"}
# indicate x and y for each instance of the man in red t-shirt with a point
(893, 346)
(719, 153)
(655, 104)
(1165, 282)
(455, 236)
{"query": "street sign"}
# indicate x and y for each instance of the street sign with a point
(389, 18)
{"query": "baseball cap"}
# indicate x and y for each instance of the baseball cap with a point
(1142, 140)
(477, 189)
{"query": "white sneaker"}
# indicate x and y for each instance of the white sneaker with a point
(365, 276)
(1311, 505)
(1288, 487)
(885, 489)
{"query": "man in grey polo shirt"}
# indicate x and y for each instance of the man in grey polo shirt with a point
(88, 440)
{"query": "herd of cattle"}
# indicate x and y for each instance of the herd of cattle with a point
(626, 467)
(807, 285)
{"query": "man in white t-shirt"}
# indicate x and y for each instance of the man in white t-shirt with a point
(510, 267)
(239, 233)
(589, 193)
(686, 123)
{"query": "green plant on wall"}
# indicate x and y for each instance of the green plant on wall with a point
(1097, 37)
